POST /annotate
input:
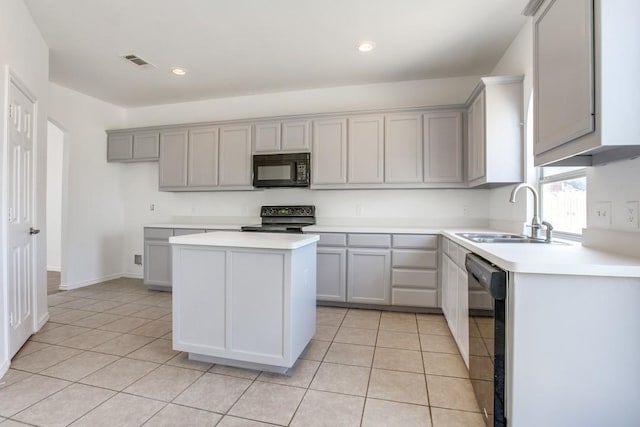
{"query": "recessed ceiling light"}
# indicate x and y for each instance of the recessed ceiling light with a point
(365, 46)
(178, 71)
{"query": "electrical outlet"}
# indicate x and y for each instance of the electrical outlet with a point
(601, 214)
(137, 259)
(631, 215)
(359, 210)
(152, 207)
(465, 211)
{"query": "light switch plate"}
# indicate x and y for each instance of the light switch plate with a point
(601, 214)
(631, 215)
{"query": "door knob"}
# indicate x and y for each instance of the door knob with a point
(33, 230)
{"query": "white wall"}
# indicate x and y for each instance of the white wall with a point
(24, 52)
(517, 60)
(617, 183)
(93, 205)
(437, 207)
(55, 150)
(346, 98)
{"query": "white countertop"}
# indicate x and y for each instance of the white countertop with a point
(246, 240)
(539, 258)
(571, 259)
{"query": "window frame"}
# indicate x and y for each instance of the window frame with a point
(564, 176)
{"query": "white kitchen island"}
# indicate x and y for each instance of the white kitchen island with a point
(244, 299)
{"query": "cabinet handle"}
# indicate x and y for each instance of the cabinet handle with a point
(33, 230)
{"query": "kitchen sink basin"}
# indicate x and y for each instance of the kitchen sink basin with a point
(501, 238)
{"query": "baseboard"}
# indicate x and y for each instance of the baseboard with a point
(71, 286)
(4, 368)
(133, 276)
(44, 319)
(52, 268)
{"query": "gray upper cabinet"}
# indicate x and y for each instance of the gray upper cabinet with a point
(119, 147)
(235, 156)
(296, 135)
(403, 148)
(476, 139)
(267, 137)
(585, 79)
(288, 136)
(494, 132)
(329, 151)
(365, 150)
(203, 157)
(173, 159)
(133, 147)
(564, 86)
(443, 147)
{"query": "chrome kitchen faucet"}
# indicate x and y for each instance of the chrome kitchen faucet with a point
(536, 225)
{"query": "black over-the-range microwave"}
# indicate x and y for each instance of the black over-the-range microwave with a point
(281, 170)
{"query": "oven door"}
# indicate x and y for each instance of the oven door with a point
(281, 170)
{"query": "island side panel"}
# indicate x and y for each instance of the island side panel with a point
(575, 347)
(199, 322)
(256, 302)
(303, 298)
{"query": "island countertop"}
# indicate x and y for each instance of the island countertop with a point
(246, 240)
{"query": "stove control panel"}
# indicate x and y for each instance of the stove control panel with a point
(287, 211)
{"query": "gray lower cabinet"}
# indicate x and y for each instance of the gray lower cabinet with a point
(331, 280)
(414, 275)
(369, 279)
(157, 256)
(379, 269)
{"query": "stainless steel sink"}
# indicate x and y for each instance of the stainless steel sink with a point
(501, 238)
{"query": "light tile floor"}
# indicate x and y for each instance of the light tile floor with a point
(105, 359)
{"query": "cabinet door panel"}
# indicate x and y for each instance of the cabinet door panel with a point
(369, 279)
(403, 149)
(415, 297)
(366, 150)
(267, 137)
(173, 158)
(414, 259)
(563, 73)
(331, 278)
(235, 156)
(329, 151)
(157, 263)
(462, 336)
(146, 146)
(443, 147)
(476, 148)
(295, 136)
(203, 157)
(119, 147)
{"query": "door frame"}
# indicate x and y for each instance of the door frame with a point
(11, 78)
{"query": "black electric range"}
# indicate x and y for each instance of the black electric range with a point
(284, 219)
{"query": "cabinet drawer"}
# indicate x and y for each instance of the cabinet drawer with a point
(158, 233)
(414, 259)
(418, 241)
(423, 279)
(332, 239)
(415, 297)
(370, 240)
(186, 231)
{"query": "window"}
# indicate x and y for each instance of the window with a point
(563, 192)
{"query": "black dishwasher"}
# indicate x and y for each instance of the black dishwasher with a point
(487, 340)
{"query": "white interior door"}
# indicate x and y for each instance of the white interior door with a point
(21, 248)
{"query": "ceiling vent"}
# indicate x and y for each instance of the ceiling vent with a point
(136, 61)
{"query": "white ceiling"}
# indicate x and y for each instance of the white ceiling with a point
(241, 47)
